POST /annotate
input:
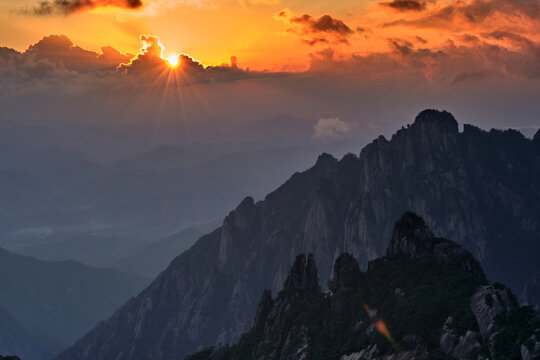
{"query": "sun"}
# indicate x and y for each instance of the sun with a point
(173, 60)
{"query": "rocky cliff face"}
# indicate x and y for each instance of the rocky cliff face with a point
(479, 188)
(531, 292)
(401, 308)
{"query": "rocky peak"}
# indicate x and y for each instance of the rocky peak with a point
(303, 276)
(346, 273)
(326, 159)
(441, 120)
(429, 140)
(411, 237)
(246, 205)
(326, 163)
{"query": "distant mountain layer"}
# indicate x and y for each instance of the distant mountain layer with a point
(476, 187)
(98, 214)
(16, 338)
(60, 300)
(141, 190)
(426, 299)
(154, 258)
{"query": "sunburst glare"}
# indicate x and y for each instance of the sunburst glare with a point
(173, 60)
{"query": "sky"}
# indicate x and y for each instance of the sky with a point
(267, 70)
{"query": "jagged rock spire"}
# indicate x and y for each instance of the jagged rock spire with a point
(346, 272)
(411, 237)
(303, 275)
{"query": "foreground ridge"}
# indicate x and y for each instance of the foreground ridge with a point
(426, 299)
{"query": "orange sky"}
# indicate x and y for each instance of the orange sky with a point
(252, 30)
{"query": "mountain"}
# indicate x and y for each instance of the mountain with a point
(155, 257)
(98, 214)
(59, 300)
(22, 159)
(93, 249)
(479, 188)
(16, 338)
(427, 298)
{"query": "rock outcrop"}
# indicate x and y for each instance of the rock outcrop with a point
(488, 302)
(476, 187)
(362, 318)
(412, 238)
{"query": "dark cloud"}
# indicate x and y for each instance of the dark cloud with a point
(325, 23)
(517, 39)
(66, 7)
(150, 63)
(469, 38)
(471, 12)
(405, 5)
(401, 46)
(55, 57)
(323, 30)
(441, 65)
(315, 41)
(56, 63)
(60, 51)
(471, 76)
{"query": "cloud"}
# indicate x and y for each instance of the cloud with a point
(315, 41)
(150, 57)
(325, 23)
(444, 64)
(471, 76)
(150, 63)
(60, 51)
(405, 5)
(56, 54)
(65, 7)
(455, 14)
(55, 62)
(331, 128)
(517, 39)
(468, 38)
(323, 30)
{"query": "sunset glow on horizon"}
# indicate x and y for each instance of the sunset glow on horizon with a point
(263, 58)
(278, 35)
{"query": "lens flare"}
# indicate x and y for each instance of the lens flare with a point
(381, 326)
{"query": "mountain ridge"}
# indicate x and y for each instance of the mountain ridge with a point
(384, 314)
(485, 180)
(61, 299)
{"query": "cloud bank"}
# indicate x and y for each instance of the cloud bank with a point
(55, 62)
(66, 7)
